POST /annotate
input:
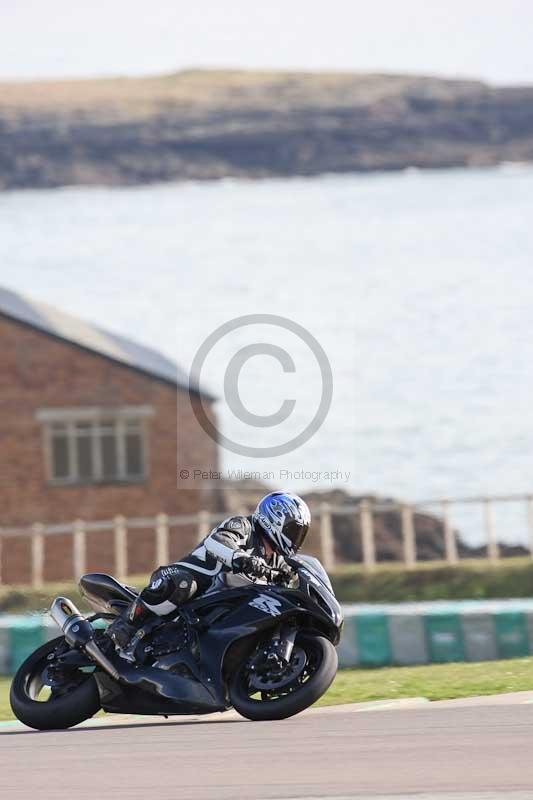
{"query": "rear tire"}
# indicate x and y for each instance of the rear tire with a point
(300, 698)
(58, 713)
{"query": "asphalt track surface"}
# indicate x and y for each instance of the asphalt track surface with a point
(478, 750)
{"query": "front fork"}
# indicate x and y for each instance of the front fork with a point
(281, 645)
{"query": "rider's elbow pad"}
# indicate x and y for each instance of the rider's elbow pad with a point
(220, 551)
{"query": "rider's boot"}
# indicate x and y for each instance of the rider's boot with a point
(127, 630)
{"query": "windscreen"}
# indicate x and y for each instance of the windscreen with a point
(314, 565)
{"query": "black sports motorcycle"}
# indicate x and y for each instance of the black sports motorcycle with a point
(267, 650)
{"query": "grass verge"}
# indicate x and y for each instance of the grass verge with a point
(5, 708)
(434, 681)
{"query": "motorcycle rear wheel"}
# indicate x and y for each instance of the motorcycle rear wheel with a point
(307, 689)
(57, 712)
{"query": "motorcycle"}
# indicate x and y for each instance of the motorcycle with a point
(267, 650)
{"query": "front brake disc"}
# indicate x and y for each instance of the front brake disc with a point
(269, 679)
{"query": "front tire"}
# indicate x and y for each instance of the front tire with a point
(58, 712)
(320, 653)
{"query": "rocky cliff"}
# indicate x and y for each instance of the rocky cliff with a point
(213, 124)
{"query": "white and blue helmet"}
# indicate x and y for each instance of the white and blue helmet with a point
(284, 519)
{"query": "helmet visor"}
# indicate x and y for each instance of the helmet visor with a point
(296, 532)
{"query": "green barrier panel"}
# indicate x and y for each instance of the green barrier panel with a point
(24, 637)
(511, 634)
(444, 637)
(529, 628)
(373, 641)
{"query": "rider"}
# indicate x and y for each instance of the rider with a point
(239, 550)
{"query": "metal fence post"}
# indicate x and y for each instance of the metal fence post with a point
(162, 555)
(529, 509)
(450, 543)
(204, 524)
(79, 549)
(368, 544)
(121, 546)
(37, 555)
(327, 543)
(493, 550)
(408, 535)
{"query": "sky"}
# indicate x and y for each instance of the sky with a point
(486, 39)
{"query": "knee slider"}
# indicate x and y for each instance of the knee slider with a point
(184, 587)
(159, 589)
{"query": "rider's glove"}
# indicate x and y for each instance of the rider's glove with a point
(250, 565)
(285, 573)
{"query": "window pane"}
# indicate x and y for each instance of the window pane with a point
(134, 455)
(133, 426)
(109, 457)
(92, 450)
(85, 458)
(60, 457)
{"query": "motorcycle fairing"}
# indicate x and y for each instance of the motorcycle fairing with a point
(193, 680)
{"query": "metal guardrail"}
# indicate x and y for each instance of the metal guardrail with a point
(161, 525)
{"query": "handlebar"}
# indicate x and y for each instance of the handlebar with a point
(277, 576)
(260, 569)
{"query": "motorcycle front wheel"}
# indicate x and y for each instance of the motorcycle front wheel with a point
(68, 703)
(278, 695)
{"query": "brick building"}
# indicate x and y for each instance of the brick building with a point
(89, 429)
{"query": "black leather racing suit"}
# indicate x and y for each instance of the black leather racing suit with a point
(209, 566)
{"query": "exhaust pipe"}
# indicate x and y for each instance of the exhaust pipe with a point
(79, 633)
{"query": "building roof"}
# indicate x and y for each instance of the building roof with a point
(53, 322)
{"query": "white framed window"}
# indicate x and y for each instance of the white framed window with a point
(94, 446)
